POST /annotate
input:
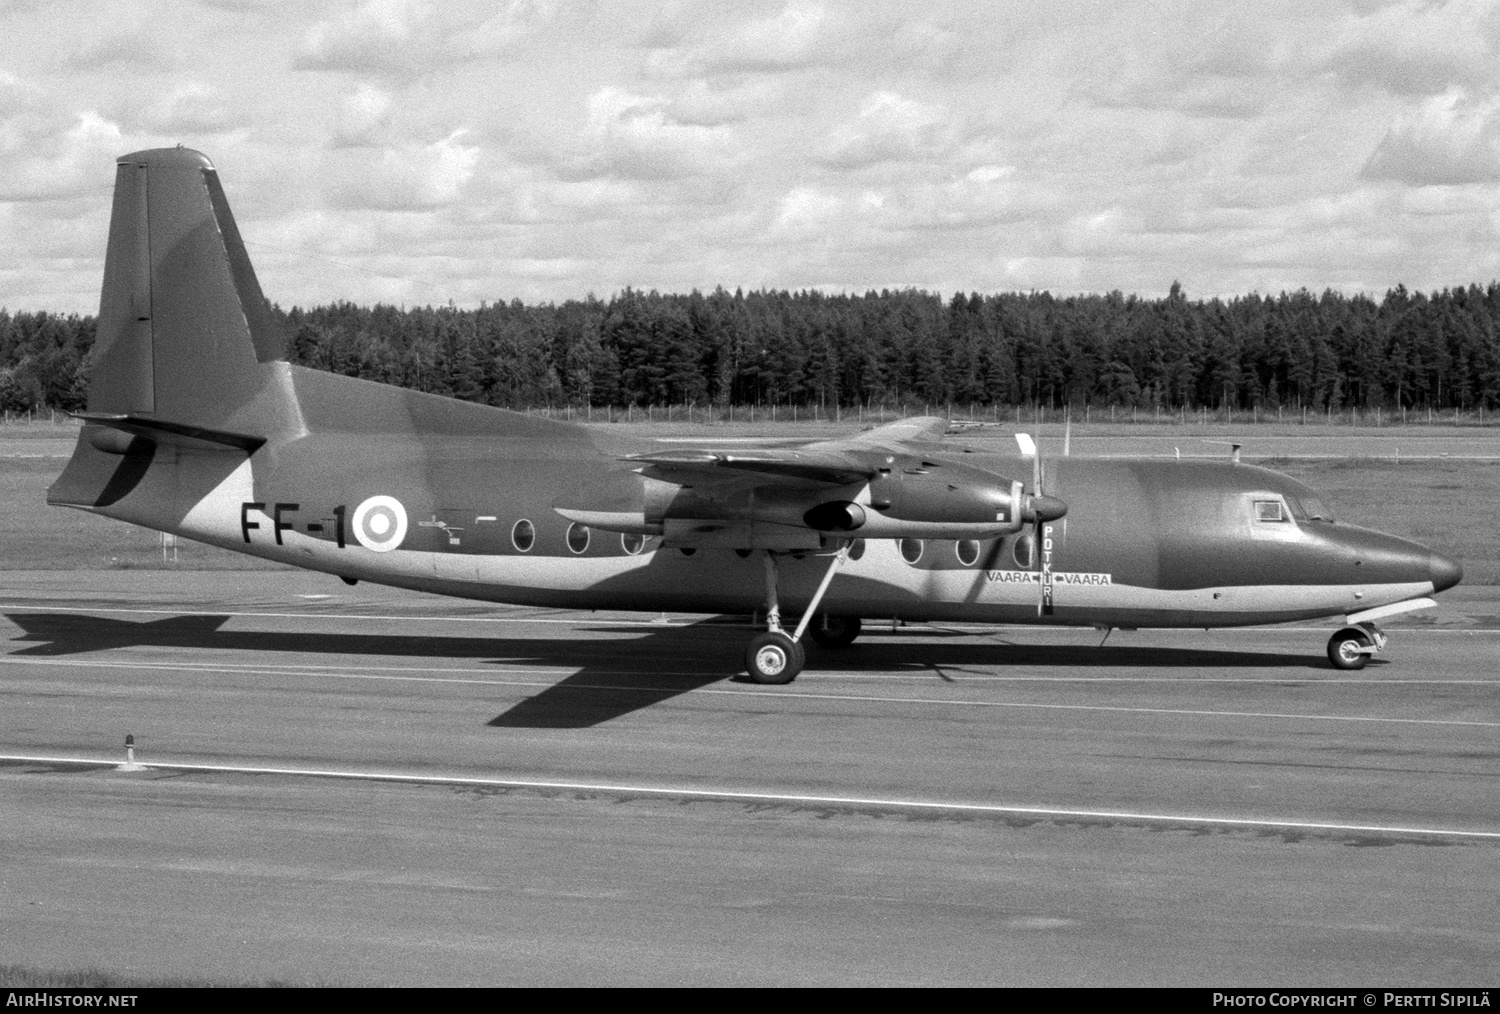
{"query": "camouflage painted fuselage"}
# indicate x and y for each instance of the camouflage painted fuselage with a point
(1144, 543)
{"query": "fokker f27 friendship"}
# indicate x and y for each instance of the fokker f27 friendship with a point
(198, 425)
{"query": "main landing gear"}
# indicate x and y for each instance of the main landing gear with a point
(1352, 647)
(776, 657)
(835, 631)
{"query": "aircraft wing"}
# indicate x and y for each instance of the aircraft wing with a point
(824, 462)
(918, 429)
(824, 466)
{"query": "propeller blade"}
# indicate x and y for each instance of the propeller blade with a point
(1040, 509)
(1041, 577)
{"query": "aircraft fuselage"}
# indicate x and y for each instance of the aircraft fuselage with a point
(1145, 542)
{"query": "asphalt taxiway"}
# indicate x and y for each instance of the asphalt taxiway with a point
(370, 786)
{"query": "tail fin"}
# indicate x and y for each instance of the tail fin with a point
(186, 341)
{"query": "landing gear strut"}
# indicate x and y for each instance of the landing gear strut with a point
(776, 657)
(1352, 647)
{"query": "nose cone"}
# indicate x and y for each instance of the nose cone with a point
(1445, 573)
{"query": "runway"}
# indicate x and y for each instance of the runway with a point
(434, 792)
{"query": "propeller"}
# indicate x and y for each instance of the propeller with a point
(1039, 509)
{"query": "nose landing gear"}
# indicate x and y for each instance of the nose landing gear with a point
(1353, 647)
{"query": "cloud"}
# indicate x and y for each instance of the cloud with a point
(237, 6)
(961, 144)
(405, 179)
(17, 97)
(136, 50)
(362, 116)
(79, 161)
(407, 39)
(791, 40)
(633, 136)
(805, 209)
(1229, 80)
(1417, 48)
(1450, 141)
(729, 100)
(378, 36)
(183, 111)
(890, 128)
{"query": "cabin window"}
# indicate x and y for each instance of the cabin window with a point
(856, 549)
(578, 537)
(1020, 551)
(633, 544)
(1270, 510)
(911, 550)
(523, 535)
(688, 550)
(967, 551)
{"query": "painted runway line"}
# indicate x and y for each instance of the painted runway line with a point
(758, 692)
(784, 797)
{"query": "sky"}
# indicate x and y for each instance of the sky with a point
(416, 152)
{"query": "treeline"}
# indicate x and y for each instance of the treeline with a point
(1295, 350)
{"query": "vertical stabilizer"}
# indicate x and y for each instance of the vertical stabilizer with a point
(122, 368)
(185, 336)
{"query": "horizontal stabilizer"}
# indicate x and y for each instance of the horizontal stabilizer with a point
(162, 431)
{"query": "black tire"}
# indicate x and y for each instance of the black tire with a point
(834, 631)
(1343, 648)
(773, 658)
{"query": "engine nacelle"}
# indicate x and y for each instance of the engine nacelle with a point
(925, 508)
(936, 501)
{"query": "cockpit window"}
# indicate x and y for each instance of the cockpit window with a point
(1308, 508)
(1270, 510)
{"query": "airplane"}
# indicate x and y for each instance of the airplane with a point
(197, 425)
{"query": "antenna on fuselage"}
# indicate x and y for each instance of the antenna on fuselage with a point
(1234, 449)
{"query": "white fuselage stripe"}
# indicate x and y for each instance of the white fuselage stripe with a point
(911, 629)
(794, 798)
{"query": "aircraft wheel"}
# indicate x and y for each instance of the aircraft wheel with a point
(834, 631)
(1344, 648)
(773, 658)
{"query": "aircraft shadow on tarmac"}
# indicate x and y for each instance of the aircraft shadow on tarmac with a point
(660, 663)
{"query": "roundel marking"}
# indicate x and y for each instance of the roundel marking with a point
(380, 523)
